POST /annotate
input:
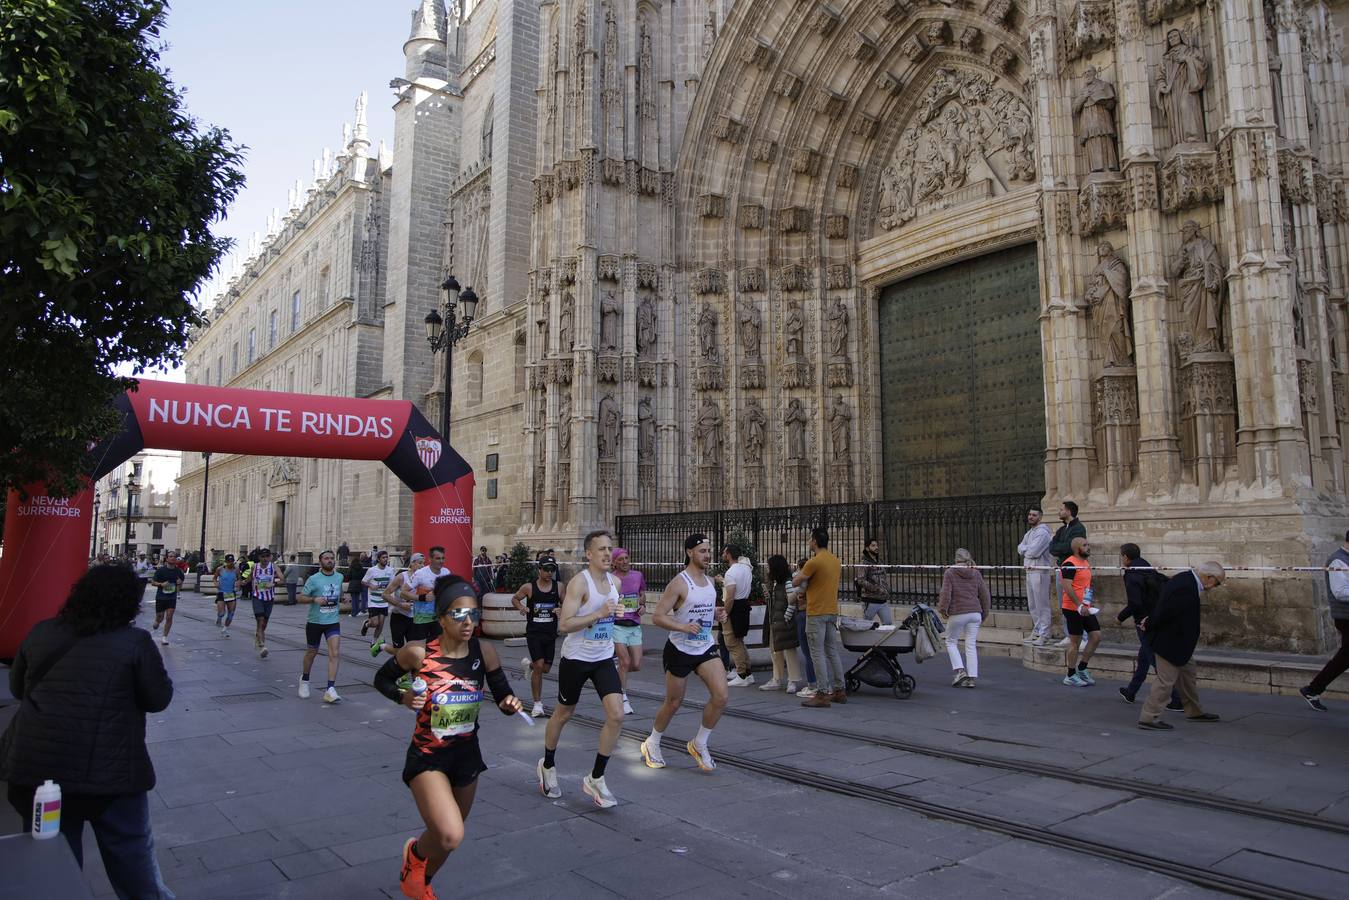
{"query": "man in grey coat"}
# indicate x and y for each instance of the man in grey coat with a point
(1034, 551)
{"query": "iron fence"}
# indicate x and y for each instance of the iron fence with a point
(909, 531)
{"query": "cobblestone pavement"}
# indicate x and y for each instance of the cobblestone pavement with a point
(261, 794)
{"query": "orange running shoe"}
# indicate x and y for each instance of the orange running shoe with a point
(412, 879)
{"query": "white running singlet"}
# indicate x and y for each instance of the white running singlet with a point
(700, 606)
(596, 642)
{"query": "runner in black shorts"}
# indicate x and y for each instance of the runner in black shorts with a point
(538, 601)
(444, 761)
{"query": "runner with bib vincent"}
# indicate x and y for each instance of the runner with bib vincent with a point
(587, 620)
(376, 581)
(226, 594)
(444, 761)
(628, 622)
(262, 578)
(687, 609)
(538, 601)
(324, 588)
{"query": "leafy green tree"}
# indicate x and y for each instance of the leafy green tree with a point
(107, 193)
(519, 569)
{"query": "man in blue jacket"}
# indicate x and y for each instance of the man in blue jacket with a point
(1173, 630)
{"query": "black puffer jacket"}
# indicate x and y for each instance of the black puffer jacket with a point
(83, 726)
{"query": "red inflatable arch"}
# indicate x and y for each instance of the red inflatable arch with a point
(47, 538)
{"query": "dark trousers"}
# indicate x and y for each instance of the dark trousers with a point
(800, 620)
(359, 599)
(122, 828)
(1145, 662)
(1337, 664)
(291, 588)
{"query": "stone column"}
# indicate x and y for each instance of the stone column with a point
(628, 493)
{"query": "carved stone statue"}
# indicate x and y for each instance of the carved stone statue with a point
(646, 327)
(840, 428)
(610, 312)
(1108, 296)
(708, 322)
(709, 33)
(566, 339)
(795, 423)
(708, 432)
(1180, 89)
(646, 430)
(751, 324)
(795, 327)
(564, 425)
(542, 324)
(1198, 275)
(1094, 107)
(609, 427)
(838, 329)
(753, 428)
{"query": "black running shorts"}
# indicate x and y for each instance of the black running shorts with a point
(572, 674)
(460, 762)
(316, 633)
(681, 664)
(542, 645)
(399, 625)
(1076, 623)
(423, 631)
(166, 603)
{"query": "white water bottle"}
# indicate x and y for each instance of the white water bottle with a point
(47, 811)
(418, 686)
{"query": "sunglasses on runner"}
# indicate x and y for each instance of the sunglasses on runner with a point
(465, 614)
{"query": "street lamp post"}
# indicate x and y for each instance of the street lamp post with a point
(444, 333)
(205, 491)
(93, 533)
(132, 488)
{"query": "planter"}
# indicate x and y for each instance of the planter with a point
(499, 618)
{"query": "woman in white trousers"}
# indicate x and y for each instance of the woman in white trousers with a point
(964, 603)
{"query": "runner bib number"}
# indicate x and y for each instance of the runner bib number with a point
(704, 634)
(454, 712)
(603, 630)
(169, 587)
(262, 582)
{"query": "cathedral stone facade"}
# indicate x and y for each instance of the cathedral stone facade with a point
(778, 252)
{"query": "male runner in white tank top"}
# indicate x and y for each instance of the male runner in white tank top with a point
(687, 610)
(587, 620)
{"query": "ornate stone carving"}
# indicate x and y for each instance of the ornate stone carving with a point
(729, 129)
(1101, 206)
(1197, 273)
(566, 330)
(607, 268)
(1090, 26)
(611, 96)
(1181, 79)
(838, 276)
(709, 325)
(1108, 298)
(838, 329)
(564, 425)
(753, 430)
(751, 280)
(1094, 107)
(806, 161)
(966, 128)
(860, 47)
(971, 39)
(846, 177)
(1117, 398)
(999, 10)
(1157, 10)
(708, 280)
(647, 275)
(825, 21)
(646, 373)
(1338, 396)
(751, 326)
(840, 428)
(711, 206)
(757, 53)
(646, 78)
(707, 432)
(763, 150)
(836, 226)
(865, 126)
(794, 330)
(1306, 385)
(938, 33)
(890, 83)
(795, 424)
(752, 374)
(1142, 185)
(610, 424)
(829, 103)
(611, 315)
(792, 219)
(709, 376)
(751, 216)
(792, 277)
(1002, 58)
(893, 10)
(1207, 386)
(787, 84)
(567, 270)
(1189, 179)
(646, 430)
(1295, 178)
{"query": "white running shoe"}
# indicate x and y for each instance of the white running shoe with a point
(1065, 642)
(225, 632)
(1040, 640)
(627, 707)
(597, 790)
(548, 785)
(304, 690)
(807, 692)
(793, 687)
(651, 755)
(330, 696)
(702, 756)
(164, 640)
(262, 651)
(537, 712)
(525, 666)
(773, 685)
(737, 681)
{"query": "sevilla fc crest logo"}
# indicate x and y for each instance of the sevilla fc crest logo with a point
(428, 449)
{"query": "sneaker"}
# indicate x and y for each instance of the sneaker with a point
(304, 690)
(652, 755)
(262, 652)
(807, 692)
(737, 681)
(793, 687)
(1127, 695)
(1158, 725)
(377, 648)
(1065, 642)
(1073, 681)
(702, 756)
(365, 627)
(1030, 638)
(330, 696)
(957, 677)
(1085, 675)
(537, 712)
(1040, 640)
(223, 632)
(548, 785)
(597, 790)
(1313, 700)
(773, 685)
(164, 640)
(412, 878)
(257, 644)
(627, 707)
(525, 665)
(969, 682)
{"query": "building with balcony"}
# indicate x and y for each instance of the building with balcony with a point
(137, 506)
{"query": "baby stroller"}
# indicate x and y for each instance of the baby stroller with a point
(880, 646)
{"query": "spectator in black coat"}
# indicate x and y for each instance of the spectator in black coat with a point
(85, 681)
(1173, 631)
(1142, 586)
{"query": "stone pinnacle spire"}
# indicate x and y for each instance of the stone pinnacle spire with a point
(428, 21)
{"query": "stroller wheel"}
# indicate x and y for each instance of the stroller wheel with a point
(904, 687)
(852, 684)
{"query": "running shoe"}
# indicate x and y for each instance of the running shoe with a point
(365, 627)
(1073, 681)
(702, 756)
(793, 687)
(627, 707)
(807, 692)
(1065, 642)
(652, 756)
(412, 878)
(1313, 700)
(597, 790)
(537, 712)
(969, 682)
(304, 690)
(773, 685)
(1085, 675)
(958, 677)
(1040, 640)
(330, 696)
(737, 681)
(262, 652)
(225, 632)
(377, 648)
(1029, 639)
(525, 666)
(548, 785)
(222, 631)
(164, 640)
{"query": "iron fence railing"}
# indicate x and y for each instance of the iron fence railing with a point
(924, 532)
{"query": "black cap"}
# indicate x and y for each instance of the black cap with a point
(694, 540)
(547, 562)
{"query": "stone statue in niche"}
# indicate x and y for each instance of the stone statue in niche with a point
(646, 327)
(751, 325)
(795, 424)
(610, 312)
(709, 33)
(646, 80)
(1094, 107)
(566, 339)
(795, 327)
(609, 427)
(1198, 275)
(542, 324)
(612, 96)
(753, 428)
(1108, 297)
(1299, 289)
(708, 323)
(646, 430)
(840, 428)
(564, 425)
(838, 329)
(708, 432)
(1181, 79)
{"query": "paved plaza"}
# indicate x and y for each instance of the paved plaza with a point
(261, 794)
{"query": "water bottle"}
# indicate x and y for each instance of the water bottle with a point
(47, 811)
(1087, 596)
(418, 686)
